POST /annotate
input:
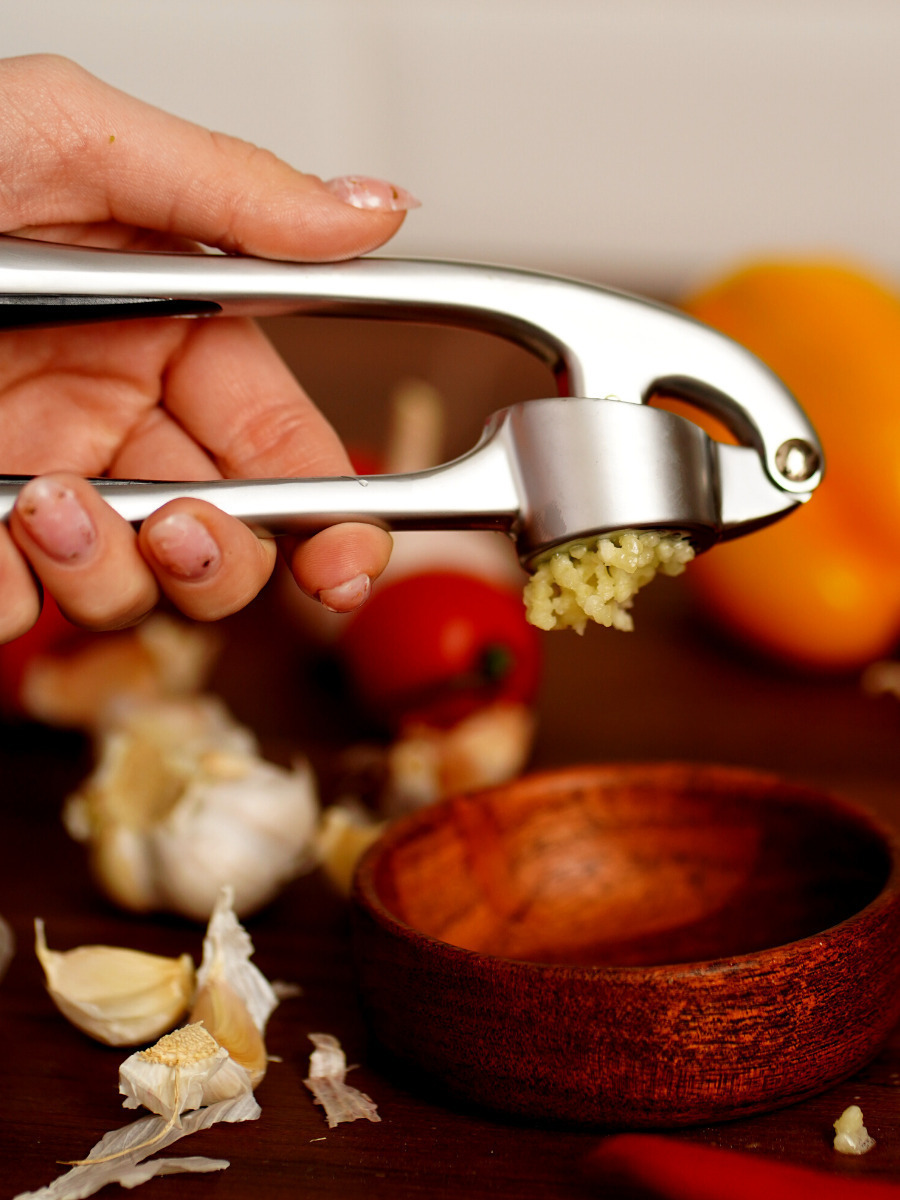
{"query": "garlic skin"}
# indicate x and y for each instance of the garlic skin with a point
(180, 804)
(327, 1082)
(234, 1000)
(117, 996)
(184, 1070)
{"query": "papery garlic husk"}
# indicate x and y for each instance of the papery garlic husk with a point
(227, 951)
(119, 997)
(327, 1082)
(181, 804)
(184, 1070)
(234, 999)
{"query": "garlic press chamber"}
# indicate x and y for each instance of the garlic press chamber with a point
(595, 460)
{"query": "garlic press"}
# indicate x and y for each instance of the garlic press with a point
(595, 460)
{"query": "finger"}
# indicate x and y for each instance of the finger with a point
(338, 565)
(85, 554)
(233, 394)
(207, 563)
(158, 448)
(21, 605)
(84, 151)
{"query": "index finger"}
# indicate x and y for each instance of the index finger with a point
(84, 151)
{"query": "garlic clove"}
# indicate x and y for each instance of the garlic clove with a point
(118, 996)
(850, 1134)
(345, 833)
(227, 950)
(222, 1012)
(184, 1070)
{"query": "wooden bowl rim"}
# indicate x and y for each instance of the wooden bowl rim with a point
(365, 896)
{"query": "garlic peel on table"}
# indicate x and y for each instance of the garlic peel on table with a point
(327, 1082)
(191, 1078)
(120, 997)
(180, 803)
(119, 1155)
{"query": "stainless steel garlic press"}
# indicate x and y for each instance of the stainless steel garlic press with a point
(596, 460)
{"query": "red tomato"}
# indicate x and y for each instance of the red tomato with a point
(438, 646)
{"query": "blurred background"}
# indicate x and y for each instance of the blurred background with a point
(647, 144)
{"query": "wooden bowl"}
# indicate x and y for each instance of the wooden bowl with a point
(632, 945)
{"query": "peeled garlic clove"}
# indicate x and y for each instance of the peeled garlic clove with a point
(120, 997)
(850, 1134)
(184, 1070)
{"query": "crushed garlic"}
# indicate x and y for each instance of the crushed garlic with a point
(850, 1135)
(598, 581)
(120, 997)
(180, 803)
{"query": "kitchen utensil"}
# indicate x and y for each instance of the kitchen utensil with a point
(546, 471)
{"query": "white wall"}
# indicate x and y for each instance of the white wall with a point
(647, 143)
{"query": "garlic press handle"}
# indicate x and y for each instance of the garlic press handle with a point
(601, 343)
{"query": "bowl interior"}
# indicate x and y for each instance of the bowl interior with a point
(630, 866)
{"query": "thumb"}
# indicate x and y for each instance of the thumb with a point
(74, 149)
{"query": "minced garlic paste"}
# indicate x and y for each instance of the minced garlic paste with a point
(597, 580)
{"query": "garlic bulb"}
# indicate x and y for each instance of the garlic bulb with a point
(180, 804)
(120, 997)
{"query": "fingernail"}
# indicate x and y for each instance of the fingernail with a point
(184, 546)
(347, 596)
(55, 518)
(361, 191)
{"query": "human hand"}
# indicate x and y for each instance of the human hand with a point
(164, 399)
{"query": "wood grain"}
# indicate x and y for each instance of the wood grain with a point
(633, 945)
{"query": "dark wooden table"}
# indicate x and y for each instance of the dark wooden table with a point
(670, 690)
